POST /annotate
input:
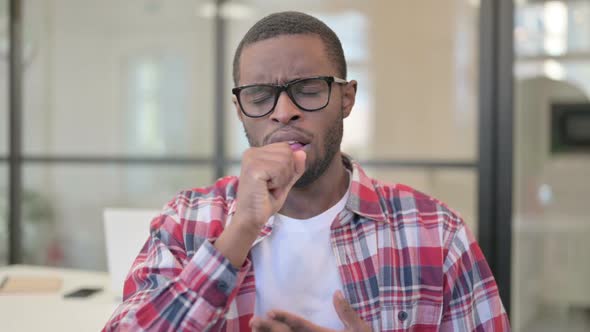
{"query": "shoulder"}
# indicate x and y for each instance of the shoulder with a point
(222, 191)
(408, 208)
(203, 204)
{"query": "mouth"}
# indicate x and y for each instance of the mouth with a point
(296, 140)
(296, 145)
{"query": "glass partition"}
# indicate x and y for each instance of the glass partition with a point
(109, 78)
(62, 206)
(550, 225)
(4, 127)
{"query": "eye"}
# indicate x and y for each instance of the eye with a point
(308, 92)
(310, 88)
(261, 99)
(257, 95)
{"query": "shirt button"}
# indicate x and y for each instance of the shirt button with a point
(402, 316)
(222, 286)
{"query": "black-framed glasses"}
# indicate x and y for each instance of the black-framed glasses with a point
(309, 94)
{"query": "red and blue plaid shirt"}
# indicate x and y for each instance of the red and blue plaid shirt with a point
(407, 263)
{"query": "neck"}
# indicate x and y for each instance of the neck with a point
(319, 196)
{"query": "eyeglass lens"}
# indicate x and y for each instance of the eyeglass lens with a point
(309, 95)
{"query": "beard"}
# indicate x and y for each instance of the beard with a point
(332, 139)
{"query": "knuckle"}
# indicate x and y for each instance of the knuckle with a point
(248, 153)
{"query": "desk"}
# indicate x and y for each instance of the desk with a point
(51, 312)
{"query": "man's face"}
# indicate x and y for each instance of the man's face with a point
(283, 59)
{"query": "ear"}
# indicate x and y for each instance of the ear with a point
(348, 97)
(234, 100)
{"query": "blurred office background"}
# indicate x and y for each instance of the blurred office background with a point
(125, 103)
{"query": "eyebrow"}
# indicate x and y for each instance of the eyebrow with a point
(296, 75)
(293, 79)
(290, 80)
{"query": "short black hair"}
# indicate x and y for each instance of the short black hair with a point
(292, 23)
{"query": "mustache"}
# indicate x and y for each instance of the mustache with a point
(286, 128)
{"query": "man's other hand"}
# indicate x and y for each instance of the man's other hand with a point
(281, 321)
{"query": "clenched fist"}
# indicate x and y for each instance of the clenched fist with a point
(268, 174)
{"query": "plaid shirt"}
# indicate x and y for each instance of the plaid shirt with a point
(407, 263)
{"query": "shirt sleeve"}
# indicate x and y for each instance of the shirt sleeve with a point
(470, 297)
(168, 290)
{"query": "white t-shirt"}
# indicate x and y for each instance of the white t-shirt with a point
(296, 270)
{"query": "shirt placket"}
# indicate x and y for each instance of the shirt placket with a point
(354, 244)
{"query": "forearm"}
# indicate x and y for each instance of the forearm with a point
(236, 240)
(195, 299)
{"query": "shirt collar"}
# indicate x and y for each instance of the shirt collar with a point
(364, 199)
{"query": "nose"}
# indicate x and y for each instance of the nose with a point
(285, 111)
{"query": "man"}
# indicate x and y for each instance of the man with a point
(304, 240)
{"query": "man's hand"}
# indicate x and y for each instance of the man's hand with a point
(268, 174)
(281, 321)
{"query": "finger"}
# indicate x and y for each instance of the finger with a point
(281, 149)
(345, 311)
(291, 175)
(296, 323)
(255, 155)
(269, 171)
(282, 152)
(298, 169)
(299, 157)
(284, 165)
(293, 161)
(264, 324)
(280, 173)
